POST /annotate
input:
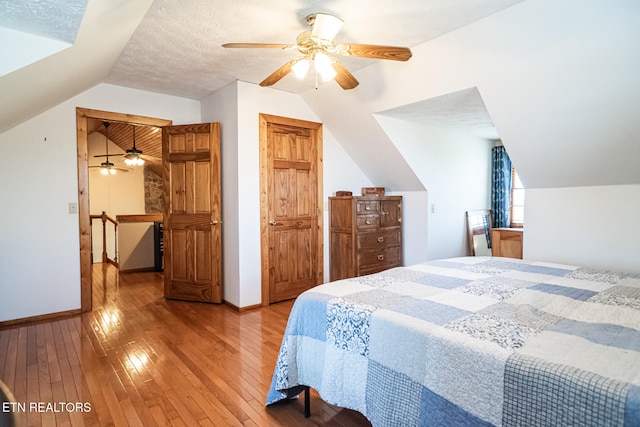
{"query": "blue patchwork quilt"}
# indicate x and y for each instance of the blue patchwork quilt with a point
(470, 341)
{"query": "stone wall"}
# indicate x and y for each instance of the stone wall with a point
(152, 191)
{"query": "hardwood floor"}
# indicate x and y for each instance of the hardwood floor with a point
(140, 360)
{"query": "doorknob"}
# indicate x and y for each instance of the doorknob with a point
(215, 222)
(273, 222)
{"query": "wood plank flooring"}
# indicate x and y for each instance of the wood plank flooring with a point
(140, 360)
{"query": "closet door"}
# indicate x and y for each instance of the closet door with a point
(291, 189)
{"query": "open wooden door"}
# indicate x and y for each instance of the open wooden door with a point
(192, 212)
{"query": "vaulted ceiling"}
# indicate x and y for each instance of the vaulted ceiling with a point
(176, 47)
(556, 80)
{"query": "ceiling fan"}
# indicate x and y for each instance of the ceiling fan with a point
(107, 167)
(318, 47)
(133, 156)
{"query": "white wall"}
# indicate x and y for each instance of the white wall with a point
(222, 107)
(586, 226)
(455, 168)
(39, 250)
(136, 246)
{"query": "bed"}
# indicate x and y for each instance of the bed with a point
(470, 341)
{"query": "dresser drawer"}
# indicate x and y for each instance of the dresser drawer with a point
(366, 222)
(378, 240)
(387, 257)
(367, 206)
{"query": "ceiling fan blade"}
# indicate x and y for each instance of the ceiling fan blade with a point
(394, 53)
(150, 158)
(344, 78)
(257, 45)
(118, 168)
(277, 74)
(325, 27)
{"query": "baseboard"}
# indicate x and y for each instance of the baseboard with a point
(7, 324)
(241, 309)
(139, 270)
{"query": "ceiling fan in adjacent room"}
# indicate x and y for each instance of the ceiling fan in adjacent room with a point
(107, 167)
(133, 156)
(318, 47)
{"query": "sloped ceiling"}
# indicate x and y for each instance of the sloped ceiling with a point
(460, 110)
(557, 80)
(176, 47)
(105, 30)
(44, 17)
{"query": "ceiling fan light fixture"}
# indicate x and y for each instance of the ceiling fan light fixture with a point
(324, 66)
(133, 156)
(301, 67)
(107, 168)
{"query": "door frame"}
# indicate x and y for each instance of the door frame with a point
(83, 115)
(316, 131)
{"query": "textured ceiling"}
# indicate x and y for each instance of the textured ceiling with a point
(462, 110)
(177, 49)
(53, 19)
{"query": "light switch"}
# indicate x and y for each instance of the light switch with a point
(73, 207)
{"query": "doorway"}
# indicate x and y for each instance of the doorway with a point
(291, 207)
(84, 117)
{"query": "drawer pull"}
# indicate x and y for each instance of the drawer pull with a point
(380, 239)
(367, 208)
(380, 257)
(385, 213)
(367, 221)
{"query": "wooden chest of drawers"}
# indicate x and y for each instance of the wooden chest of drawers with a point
(365, 235)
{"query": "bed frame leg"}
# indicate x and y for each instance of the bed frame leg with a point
(307, 403)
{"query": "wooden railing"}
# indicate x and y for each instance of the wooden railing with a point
(105, 255)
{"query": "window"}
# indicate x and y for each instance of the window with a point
(517, 200)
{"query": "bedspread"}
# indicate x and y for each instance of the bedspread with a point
(470, 341)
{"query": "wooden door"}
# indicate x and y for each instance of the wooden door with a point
(292, 254)
(192, 225)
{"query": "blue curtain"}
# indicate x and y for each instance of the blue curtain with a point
(501, 187)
